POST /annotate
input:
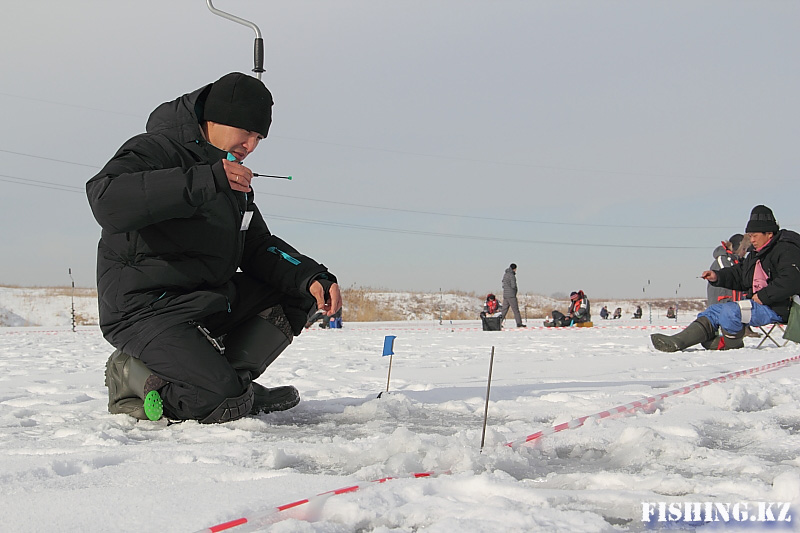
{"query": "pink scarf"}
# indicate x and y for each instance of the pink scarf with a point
(759, 276)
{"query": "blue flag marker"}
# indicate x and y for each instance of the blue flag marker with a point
(388, 349)
(388, 345)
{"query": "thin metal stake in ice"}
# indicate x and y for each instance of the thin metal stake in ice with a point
(486, 409)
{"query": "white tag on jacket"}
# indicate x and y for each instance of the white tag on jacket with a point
(246, 218)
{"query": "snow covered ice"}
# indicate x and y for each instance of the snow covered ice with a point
(69, 465)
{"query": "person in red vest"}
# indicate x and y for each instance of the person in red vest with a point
(491, 305)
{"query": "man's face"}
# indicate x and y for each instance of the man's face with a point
(759, 239)
(237, 141)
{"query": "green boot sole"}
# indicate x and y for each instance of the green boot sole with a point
(153, 405)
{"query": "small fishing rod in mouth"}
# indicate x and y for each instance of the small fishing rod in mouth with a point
(233, 159)
(271, 176)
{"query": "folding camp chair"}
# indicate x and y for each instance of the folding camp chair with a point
(790, 330)
(768, 334)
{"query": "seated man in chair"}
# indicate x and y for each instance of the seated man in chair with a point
(770, 277)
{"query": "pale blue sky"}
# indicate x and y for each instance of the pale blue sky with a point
(598, 145)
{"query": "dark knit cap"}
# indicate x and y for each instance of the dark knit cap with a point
(240, 101)
(736, 240)
(762, 221)
(513, 266)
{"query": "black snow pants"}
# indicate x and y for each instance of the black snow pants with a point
(200, 377)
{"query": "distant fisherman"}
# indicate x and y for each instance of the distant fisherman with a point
(185, 259)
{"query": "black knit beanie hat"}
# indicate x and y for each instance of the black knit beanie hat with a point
(762, 221)
(513, 266)
(240, 101)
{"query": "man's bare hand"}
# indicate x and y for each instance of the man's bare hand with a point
(332, 304)
(239, 176)
(709, 275)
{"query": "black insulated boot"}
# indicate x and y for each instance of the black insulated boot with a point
(267, 400)
(697, 332)
(231, 408)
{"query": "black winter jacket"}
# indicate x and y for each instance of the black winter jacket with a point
(780, 259)
(580, 309)
(509, 283)
(171, 232)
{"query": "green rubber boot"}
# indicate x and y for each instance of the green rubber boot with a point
(697, 332)
(726, 341)
(132, 388)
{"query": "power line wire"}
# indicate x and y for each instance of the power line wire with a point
(439, 156)
(48, 158)
(46, 184)
(70, 105)
(414, 211)
(383, 208)
(475, 237)
(495, 219)
(69, 188)
(518, 164)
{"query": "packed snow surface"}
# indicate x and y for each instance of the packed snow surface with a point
(66, 464)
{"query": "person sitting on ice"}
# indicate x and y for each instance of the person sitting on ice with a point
(604, 312)
(770, 277)
(617, 313)
(638, 312)
(491, 307)
(671, 312)
(579, 311)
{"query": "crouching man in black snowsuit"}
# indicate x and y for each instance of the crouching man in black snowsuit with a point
(195, 293)
(769, 276)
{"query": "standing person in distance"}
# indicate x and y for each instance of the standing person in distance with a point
(195, 293)
(510, 294)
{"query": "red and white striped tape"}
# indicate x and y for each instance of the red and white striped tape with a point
(353, 326)
(270, 516)
(632, 406)
(26, 330)
(273, 515)
(509, 330)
